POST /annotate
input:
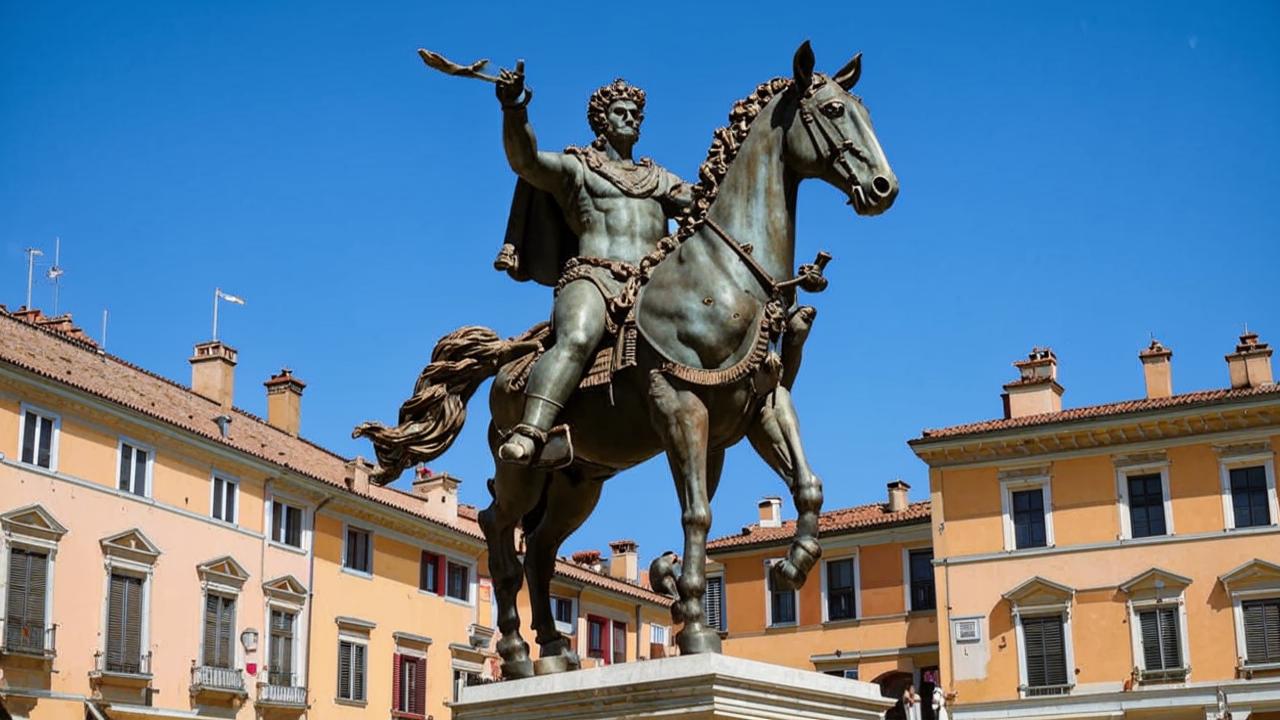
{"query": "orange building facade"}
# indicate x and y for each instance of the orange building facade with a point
(867, 611)
(1114, 561)
(165, 554)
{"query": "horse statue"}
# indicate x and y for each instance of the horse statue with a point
(717, 346)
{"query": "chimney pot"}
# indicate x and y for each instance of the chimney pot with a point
(213, 372)
(440, 493)
(898, 496)
(284, 401)
(1157, 368)
(1250, 365)
(624, 563)
(771, 512)
(1036, 391)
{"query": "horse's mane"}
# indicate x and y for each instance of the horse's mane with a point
(725, 144)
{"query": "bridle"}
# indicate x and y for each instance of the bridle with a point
(829, 141)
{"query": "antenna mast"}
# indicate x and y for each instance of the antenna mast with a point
(55, 272)
(32, 254)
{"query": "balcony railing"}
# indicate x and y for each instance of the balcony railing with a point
(1163, 676)
(28, 639)
(118, 664)
(280, 690)
(1045, 690)
(207, 678)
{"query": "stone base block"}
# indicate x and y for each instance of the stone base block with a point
(691, 687)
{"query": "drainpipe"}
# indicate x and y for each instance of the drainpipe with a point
(311, 587)
(639, 627)
(946, 581)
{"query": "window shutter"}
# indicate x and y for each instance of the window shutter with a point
(1033, 636)
(357, 671)
(210, 630)
(420, 686)
(139, 472)
(1045, 652)
(43, 457)
(25, 606)
(397, 670)
(1150, 626)
(713, 602)
(1055, 652)
(133, 622)
(115, 622)
(217, 498)
(1262, 630)
(1170, 645)
(226, 626)
(344, 670)
(125, 457)
(29, 438)
(441, 575)
(231, 502)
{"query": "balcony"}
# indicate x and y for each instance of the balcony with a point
(1045, 690)
(1167, 675)
(28, 640)
(280, 691)
(209, 682)
(120, 670)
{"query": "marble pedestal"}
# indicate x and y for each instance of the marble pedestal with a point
(691, 687)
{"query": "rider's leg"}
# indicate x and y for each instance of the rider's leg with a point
(580, 325)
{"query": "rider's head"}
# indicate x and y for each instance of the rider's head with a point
(615, 112)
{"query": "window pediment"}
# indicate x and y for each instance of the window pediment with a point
(34, 522)
(131, 545)
(1254, 575)
(1039, 592)
(224, 572)
(287, 588)
(1156, 582)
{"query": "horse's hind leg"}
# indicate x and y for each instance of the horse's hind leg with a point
(680, 418)
(516, 490)
(570, 500)
(776, 437)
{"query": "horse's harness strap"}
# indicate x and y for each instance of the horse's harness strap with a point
(766, 280)
(835, 153)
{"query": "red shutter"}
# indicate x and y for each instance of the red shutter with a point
(441, 578)
(396, 670)
(420, 692)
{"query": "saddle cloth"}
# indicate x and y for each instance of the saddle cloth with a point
(616, 352)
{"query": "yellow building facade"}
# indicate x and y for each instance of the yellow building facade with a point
(165, 554)
(866, 612)
(1114, 561)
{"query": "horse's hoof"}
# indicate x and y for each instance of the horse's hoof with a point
(694, 640)
(517, 669)
(784, 575)
(552, 665)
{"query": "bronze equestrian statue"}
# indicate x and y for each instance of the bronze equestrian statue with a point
(700, 330)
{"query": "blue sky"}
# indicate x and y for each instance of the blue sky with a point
(1074, 174)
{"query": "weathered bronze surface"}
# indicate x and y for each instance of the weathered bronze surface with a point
(700, 330)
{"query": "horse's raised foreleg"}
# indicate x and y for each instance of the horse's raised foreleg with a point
(516, 489)
(680, 419)
(776, 437)
(569, 501)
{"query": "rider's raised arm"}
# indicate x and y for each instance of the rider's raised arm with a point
(543, 170)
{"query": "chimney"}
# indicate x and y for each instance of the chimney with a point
(1158, 369)
(1250, 365)
(284, 401)
(624, 563)
(213, 372)
(357, 475)
(898, 496)
(771, 512)
(589, 559)
(440, 491)
(1036, 391)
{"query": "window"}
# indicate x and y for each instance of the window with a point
(1044, 651)
(429, 573)
(219, 631)
(352, 664)
(25, 602)
(1250, 501)
(846, 673)
(409, 686)
(459, 582)
(782, 603)
(286, 524)
(1026, 504)
(596, 639)
(39, 438)
(713, 602)
(1028, 518)
(280, 649)
(1146, 505)
(1161, 641)
(920, 564)
(358, 555)
(619, 643)
(462, 679)
(224, 498)
(841, 594)
(562, 611)
(124, 624)
(135, 470)
(1261, 631)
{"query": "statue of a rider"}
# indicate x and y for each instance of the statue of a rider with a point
(582, 220)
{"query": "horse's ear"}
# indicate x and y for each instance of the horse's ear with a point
(849, 74)
(802, 66)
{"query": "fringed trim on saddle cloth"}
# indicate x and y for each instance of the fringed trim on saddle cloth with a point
(769, 329)
(609, 359)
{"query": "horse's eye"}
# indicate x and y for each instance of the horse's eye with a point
(833, 109)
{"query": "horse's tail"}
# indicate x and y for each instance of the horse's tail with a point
(431, 419)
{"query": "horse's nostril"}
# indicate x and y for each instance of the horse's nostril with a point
(881, 185)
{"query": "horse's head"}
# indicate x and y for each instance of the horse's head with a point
(829, 136)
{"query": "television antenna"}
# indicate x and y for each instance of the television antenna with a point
(32, 254)
(55, 272)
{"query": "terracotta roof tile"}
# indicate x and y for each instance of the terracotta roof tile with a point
(564, 568)
(844, 520)
(1127, 407)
